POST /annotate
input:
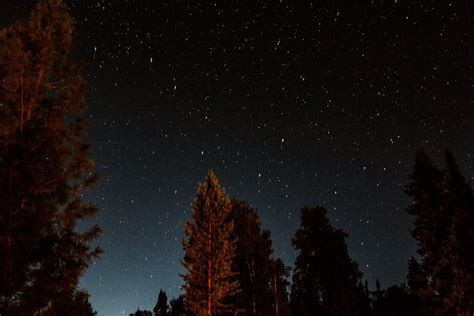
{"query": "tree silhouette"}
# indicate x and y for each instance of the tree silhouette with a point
(395, 301)
(430, 230)
(161, 307)
(141, 313)
(177, 307)
(74, 304)
(444, 219)
(44, 166)
(262, 278)
(460, 243)
(279, 285)
(326, 281)
(209, 252)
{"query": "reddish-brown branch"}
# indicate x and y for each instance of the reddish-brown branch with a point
(37, 89)
(54, 85)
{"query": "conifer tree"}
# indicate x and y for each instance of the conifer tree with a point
(252, 261)
(161, 307)
(430, 230)
(395, 301)
(415, 281)
(140, 312)
(75, 304)
(177, 307)
(326, 281)
(262, 278)
(209, 252)
(279, 285)
(460, 241)
(444, 219)
(44, 165)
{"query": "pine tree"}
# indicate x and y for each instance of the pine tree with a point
(75, 304)
(415, 282)
(252, 260)
(444, 219)
(209, 252)
(326, 281)
(430, 230)
(177, 307)
(161, 307)
(279, 285)
(459, 246)
(259, 273)
(44, 165)
(395, 301)
(139, 312)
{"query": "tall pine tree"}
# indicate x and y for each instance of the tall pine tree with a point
(326, 281)
(444, 228)
(261, 277)
(209, 252)
(432, 275)
(44, 166)
(460, 242)
(279, 286)
(161, 307)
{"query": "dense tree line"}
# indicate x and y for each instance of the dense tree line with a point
(230, 265)
(326, 281)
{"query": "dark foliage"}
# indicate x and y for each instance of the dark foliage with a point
(395, 301)
(142, 313)
(177, 307)
(443, 207)
(44, 167)
(326, 281)
(262, 278)
(161, 307)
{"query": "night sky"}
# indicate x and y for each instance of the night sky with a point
(291, 104)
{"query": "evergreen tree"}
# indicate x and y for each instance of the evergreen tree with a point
(253, 261)
(262, 278)
(209, 252)
(326, 281)
(430, 230)
(460, 241)
(44, 165)
(161, 307)
(416, 282)
(279, 285)
(75, 304)
(141, 313)
(443, 208)
(395, 301)
(177, 306)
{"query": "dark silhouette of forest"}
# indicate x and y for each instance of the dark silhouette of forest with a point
(231, 269)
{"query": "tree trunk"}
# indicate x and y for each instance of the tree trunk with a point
(275, 291)
(209, 275)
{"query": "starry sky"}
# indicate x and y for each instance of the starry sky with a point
(292, 105)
